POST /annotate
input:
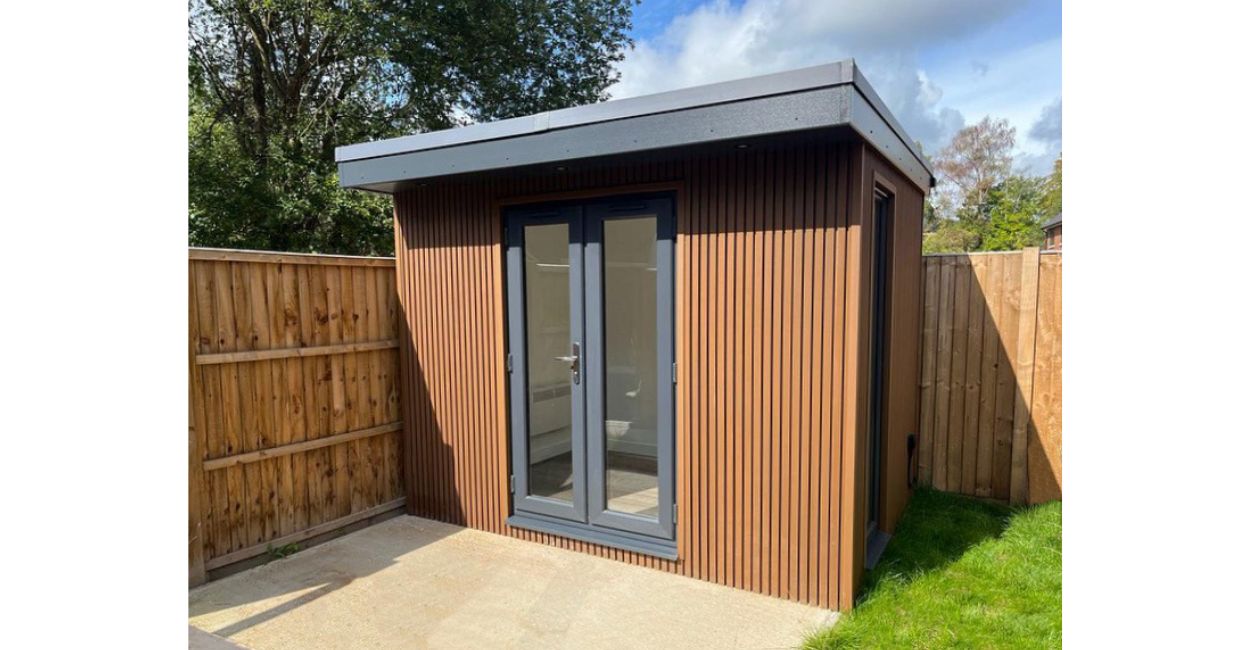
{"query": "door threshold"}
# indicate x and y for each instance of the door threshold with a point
(663, 549)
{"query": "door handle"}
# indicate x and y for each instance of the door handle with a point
(575, 362)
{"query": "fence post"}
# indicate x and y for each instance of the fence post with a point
(928, 367)
(1026, 346)
(942, 389)
(195, 466)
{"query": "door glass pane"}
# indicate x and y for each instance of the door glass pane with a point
(550, 381)
(630, 408)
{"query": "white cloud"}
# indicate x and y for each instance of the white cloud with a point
(1044, 140)
(718, 41)
(1048, 129)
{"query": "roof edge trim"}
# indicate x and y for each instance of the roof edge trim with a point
(779, 83)
(370, 165)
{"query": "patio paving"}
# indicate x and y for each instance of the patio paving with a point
(415, 583)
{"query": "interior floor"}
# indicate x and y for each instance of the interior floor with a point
(631, 482)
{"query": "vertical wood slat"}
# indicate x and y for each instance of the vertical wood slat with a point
(195, 444)
(945, 299)
(928, 369)
(1027, 343)
(1004, 399)
(972, 376)
(1045, 471)
(855, 392)
(959, 370)
(258, 302)
(1005, 421)
(991, 283)
(762, 295)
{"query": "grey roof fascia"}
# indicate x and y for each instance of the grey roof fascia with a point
(872, 126)
(870, 94)
(833, 74)
(826, 107)
(819, 97)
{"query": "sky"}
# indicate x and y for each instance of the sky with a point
(939, 65)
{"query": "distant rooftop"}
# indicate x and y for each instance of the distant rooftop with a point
(821, 97)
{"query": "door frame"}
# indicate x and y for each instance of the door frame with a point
(596, 213)
(517, 335)
(881, 217)
(663, 545)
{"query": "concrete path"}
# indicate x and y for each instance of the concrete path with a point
(415, 583)
(198, 639)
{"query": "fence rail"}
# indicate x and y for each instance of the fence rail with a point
(294, 396)
(990, 382)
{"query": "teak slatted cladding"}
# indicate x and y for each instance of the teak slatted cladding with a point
(768, 265)
(295, 398)
(990, 380)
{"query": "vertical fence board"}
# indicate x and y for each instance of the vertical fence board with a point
(1046, 433)
(972, 376)
(991, 405)
(1027, 343)
(991, 286)
(196, 529)
(959, 370)
(928, 369)
(945, 299)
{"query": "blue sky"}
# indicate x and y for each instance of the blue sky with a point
(938, 65)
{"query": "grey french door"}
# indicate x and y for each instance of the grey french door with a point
(590, 326)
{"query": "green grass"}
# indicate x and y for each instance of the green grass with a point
(963, 573)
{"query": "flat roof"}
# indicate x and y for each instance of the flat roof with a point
(819, 97)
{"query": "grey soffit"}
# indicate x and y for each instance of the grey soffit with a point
(820, 97)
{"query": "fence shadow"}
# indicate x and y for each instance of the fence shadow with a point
(935, 531)
(990, 375)
(430, 462)
(249, 303)
(312, 574)
(326, 569)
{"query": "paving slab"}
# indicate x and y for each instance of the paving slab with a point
(414, 583)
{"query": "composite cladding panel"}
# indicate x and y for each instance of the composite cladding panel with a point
(766, 269)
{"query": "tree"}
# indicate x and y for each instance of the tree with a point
(977, 159)
(1015, 214)
(1052, 201)
(949, 236)
(276, 85)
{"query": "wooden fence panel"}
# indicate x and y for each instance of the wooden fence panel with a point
(991, 375)
(294, 392)
(1046, 434)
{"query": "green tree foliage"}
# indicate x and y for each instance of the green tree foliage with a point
(1015, 214)
(980, 205)
(950, 237)
(276, 85)
(1052, 202)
